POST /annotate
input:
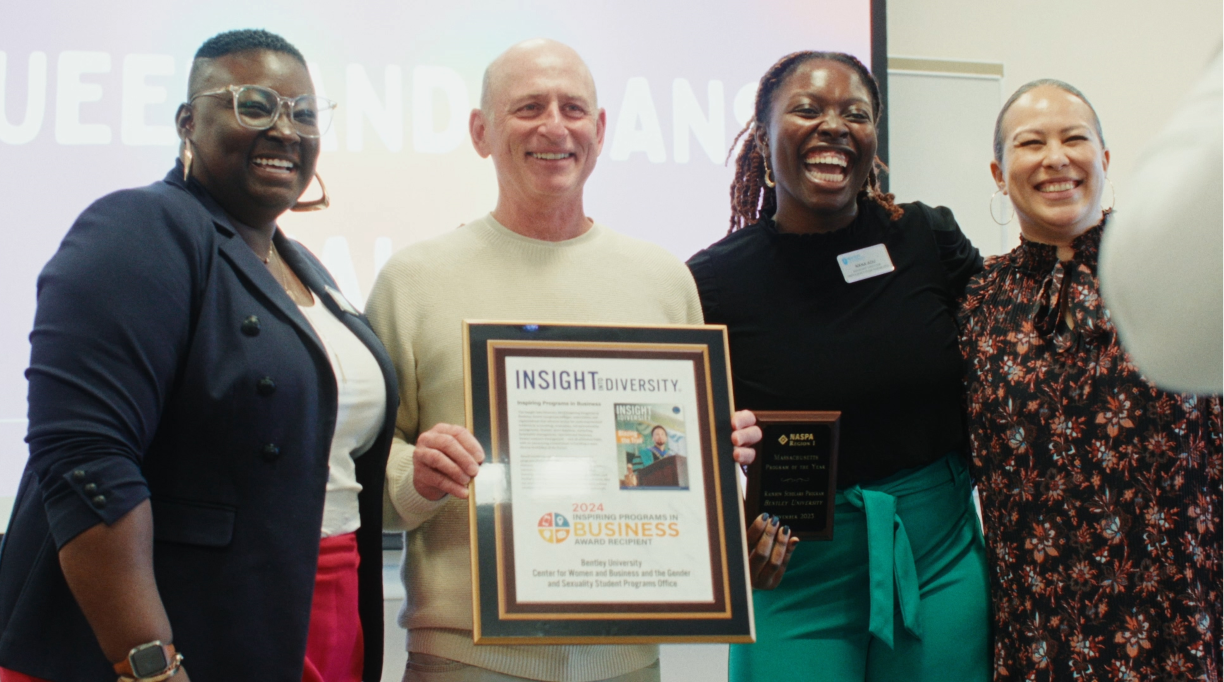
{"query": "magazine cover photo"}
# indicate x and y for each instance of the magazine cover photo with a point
(651, 446)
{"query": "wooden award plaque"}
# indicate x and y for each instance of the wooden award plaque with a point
(794, 475)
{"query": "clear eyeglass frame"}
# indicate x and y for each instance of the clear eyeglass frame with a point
(307, 121)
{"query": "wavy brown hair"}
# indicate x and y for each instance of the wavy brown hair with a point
(751, 198)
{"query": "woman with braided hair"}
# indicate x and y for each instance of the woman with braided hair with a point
(838, 299)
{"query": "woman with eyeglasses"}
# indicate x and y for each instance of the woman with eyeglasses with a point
(209, 418)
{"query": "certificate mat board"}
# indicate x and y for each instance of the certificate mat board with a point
(607, 510)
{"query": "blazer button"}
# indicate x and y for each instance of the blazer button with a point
(265, 386)
(99, 501)
(78, 475)
(250, 326)
(271, 452)
(91, 488)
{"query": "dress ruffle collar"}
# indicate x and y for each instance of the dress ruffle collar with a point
(1041, 258)
(1076, 279)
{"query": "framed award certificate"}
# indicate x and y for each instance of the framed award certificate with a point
(794, 475)
(607, 509)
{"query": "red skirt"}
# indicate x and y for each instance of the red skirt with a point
(335, 647)
(7, 675)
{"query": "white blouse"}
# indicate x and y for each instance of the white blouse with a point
(361, 407)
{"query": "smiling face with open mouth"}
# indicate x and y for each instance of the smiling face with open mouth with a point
(821, 143)
(255, 175)
(1053, 166)
(542, 125)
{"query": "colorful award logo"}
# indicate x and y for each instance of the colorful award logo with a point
(554, 528)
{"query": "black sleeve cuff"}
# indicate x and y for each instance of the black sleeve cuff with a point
(80, 496)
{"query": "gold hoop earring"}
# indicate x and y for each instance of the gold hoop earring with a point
(318, 204)
(1113, 196)
(1011, 214)
(769, 181)
(186, 156)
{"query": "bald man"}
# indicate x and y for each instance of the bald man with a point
(537, 256)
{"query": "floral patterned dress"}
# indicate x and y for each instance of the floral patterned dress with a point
(1100, 492)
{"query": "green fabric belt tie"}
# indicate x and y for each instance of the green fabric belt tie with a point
(890, 563)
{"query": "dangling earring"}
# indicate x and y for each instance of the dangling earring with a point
(186, 156)
(1011, 213)
(1113, 195)
(769, 181)
(316, 205)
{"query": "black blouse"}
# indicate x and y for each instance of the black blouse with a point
(882, 350)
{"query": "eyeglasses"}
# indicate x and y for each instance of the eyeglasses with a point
(258, 108)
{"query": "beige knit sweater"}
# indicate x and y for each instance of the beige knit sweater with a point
(483, 271)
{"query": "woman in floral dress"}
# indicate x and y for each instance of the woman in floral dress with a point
(1100, 492)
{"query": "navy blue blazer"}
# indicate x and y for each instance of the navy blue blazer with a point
(167, 363)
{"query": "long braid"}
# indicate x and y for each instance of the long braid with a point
(751, 198)
(873, 192)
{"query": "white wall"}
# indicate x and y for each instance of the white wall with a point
(942, 122)
(1134, 59)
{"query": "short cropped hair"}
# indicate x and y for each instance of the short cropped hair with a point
(233, 42)
(1054, 83)
(244, 40)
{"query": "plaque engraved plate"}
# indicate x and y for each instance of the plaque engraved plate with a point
(794, 475)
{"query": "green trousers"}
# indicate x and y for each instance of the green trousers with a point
(900, 593)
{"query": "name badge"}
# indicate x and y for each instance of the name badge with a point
(342, 301)
(865, 263)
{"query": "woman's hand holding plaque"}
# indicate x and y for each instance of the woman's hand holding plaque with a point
(770, 545)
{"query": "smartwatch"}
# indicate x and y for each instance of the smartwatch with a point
(151, 659)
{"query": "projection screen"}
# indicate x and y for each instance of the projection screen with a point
(88, 93)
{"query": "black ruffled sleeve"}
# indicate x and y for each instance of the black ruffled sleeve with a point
(702, 267)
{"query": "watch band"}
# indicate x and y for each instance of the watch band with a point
(137, 665)
(178, 660)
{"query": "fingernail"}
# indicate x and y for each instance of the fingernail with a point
(786, 530)
(764, 518)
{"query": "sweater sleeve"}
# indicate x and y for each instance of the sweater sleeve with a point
(959, 256)
(1160, 257)
(692, 301)
(112, 325)
(391, 310)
